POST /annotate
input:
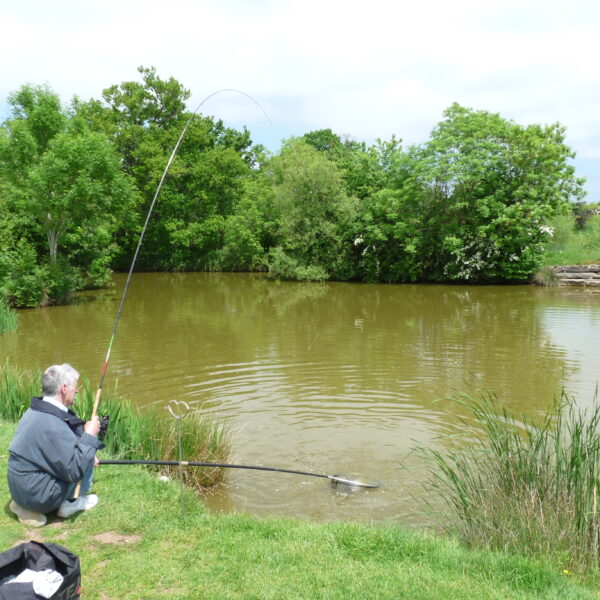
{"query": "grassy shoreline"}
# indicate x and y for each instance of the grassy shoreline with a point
(154, 539)
(528, 485)
(570, 245)
(150, 539)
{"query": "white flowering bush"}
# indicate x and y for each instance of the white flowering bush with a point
(485, 188)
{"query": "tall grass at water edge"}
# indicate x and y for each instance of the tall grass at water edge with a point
(524, 486)
(134, 433)
(8, 318)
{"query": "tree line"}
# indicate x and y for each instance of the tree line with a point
(470, 204)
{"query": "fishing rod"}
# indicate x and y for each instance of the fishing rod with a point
(335, 479)
(139, 244)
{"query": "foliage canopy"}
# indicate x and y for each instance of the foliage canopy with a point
(473, 203)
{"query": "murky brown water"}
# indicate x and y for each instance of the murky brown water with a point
(334, 378)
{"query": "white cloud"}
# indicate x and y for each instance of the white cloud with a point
(364, 69)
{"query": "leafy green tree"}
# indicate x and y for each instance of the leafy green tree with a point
(37, 116)
(324, 140)
(317, 218)
(63, 194)
(365, 170)
(388, 246)
(486, 189)
(252, 230)
(138, 117)
(368, 170)
(472, 204)
(205, 182)
(78, 195)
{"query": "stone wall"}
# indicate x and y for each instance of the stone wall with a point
(578, 275)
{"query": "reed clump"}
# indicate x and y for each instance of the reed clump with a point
(524, 486)
(546, 276)
(8, 317)
(202, 440)
(16, 389)
(134, 434)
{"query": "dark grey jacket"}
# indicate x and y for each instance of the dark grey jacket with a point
(49, 451)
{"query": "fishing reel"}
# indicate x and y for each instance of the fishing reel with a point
(103, 427)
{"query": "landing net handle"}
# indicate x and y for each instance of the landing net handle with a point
(173, 463)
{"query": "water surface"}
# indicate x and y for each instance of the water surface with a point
(334, 378)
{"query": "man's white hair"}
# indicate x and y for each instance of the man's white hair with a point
(56, 376)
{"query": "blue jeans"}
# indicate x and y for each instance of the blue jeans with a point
(86, 483)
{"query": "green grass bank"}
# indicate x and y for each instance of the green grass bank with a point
(570, 245)
(150, 539)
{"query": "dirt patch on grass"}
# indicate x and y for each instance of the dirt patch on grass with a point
(37, 533)
(112, 537)
(33, 535)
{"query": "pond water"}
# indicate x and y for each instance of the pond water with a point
(335, 378)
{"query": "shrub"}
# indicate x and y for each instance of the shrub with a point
(283, 266)
(546, 276)
(63, 281)
(523, 486)
(24, 282)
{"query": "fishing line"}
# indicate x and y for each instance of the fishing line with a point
(335, 479)
(139, 244)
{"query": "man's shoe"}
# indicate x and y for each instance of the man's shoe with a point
(85, 502)
(31, 518)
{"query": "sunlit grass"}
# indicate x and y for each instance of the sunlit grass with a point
(571, 246)
(525, 486)
(151, 539)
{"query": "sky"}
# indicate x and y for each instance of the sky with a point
(366, 70)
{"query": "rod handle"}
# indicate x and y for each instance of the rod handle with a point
(96, 402)
(77, 490)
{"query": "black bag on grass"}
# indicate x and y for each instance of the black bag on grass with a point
(38, 557)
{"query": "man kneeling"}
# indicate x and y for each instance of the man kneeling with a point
(52, 450)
